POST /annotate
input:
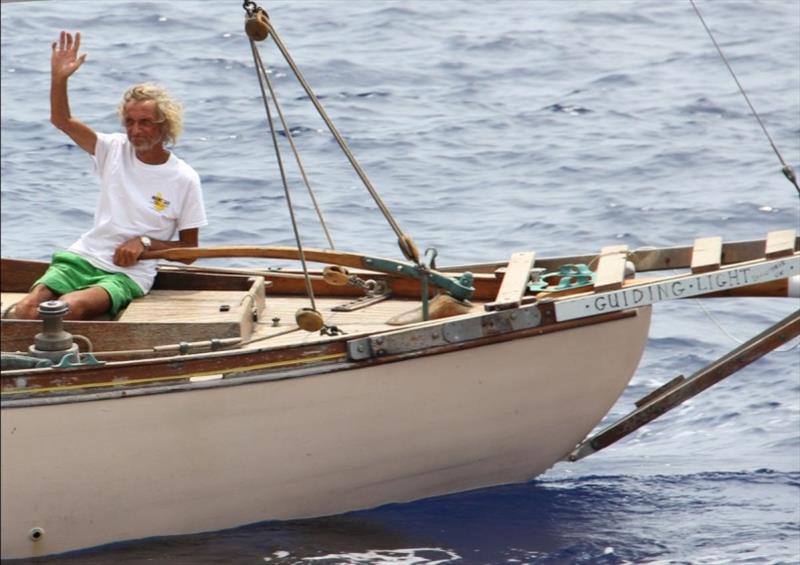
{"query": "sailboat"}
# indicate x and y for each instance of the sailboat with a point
(229, 396)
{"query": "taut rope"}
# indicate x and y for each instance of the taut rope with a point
(290, 137)
(787, 169)
(258, 28)
(262, 78)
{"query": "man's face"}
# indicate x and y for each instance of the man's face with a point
(142, 125)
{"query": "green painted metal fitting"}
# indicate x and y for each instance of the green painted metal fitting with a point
(569, 276)
(460, 288)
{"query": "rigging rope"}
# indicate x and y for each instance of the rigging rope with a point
(404, 240)
(258, 28)
(787, 169)
(735, 339)
(262, 78)
(290, 137)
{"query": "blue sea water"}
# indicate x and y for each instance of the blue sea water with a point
(488, 128)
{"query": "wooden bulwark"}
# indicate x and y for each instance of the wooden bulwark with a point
(706, 254)
(514, 282)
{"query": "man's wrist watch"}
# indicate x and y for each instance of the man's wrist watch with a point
(146, 242)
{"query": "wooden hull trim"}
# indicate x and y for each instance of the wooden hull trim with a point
(267, 363)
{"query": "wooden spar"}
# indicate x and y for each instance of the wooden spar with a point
(459, 288)
(679, 390)
(268, 252)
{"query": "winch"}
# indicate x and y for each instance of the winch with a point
(53, 343)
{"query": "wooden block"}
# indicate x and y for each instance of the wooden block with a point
(780, 243)
(515, 281)
(706, 254)
(611, 268)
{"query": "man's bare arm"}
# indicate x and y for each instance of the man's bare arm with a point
(63, 63)
(128, 253)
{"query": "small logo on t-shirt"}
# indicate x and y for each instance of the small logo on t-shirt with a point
(159, 203)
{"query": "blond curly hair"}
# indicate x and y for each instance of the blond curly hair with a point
(170, 111)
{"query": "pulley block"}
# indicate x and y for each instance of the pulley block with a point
(309, 319)
(336, 275)
(257, 25)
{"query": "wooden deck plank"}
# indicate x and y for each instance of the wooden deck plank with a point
(706, 254)
(185, 306)
(514, 282)
(780, 243)
(611, 268)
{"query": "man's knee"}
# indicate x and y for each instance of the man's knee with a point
(86, 304)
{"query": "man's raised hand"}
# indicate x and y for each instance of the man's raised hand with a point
(65, 59)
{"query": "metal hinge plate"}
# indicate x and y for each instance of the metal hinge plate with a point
(444, 333)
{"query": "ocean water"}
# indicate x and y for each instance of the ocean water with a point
(488, 128)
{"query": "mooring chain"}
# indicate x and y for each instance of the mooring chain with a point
(787, 169)
(258, 28)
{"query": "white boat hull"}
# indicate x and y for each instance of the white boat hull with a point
(91, 473)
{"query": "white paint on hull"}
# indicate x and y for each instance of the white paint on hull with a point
(96, 472)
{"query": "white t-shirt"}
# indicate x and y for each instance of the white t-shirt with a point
(138, 199)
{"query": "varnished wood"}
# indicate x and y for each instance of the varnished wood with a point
(176, 367)
(17, 335)
(266, 252)
(18, 275)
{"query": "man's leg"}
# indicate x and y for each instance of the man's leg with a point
(87, 303)
(26, 309)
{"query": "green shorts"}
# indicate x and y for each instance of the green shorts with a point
(69, 272)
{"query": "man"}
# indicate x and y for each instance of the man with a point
(147, 194)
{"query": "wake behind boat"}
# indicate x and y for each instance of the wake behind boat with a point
(226, 396)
